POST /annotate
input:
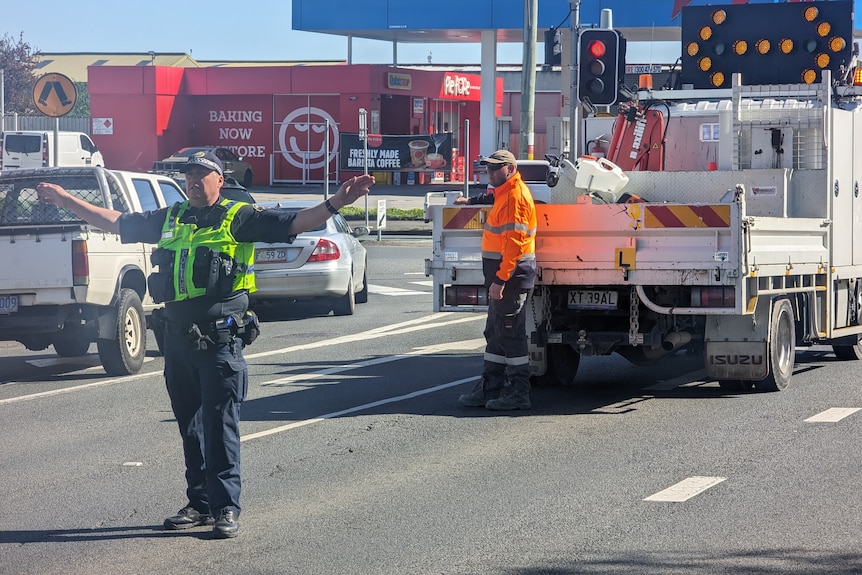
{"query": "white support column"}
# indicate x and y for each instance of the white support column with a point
(487, 105)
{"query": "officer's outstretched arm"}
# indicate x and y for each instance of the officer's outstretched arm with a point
(100, 217)
(347, 193)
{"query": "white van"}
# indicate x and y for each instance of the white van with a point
(35, 149)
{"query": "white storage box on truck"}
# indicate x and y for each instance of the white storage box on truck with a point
(35, 149)
(68, 283)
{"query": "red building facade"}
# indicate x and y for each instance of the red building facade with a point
(275, 117)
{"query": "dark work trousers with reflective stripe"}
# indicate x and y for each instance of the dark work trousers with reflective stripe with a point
(206, 388)
(507, 359)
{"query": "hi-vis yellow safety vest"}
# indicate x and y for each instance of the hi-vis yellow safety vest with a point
(185, 239)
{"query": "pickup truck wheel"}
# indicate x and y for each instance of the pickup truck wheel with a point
(71, 342)
(848, 352)
(124, 355)
(247, 178)
(346, 304)
(781, 348)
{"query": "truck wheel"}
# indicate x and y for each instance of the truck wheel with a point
(124, 355)
(848, 352)
(71, 341)
(565, 361)
(247, 178)
(346, 304)
(781, 348)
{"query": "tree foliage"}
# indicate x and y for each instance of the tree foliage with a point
(18, 60)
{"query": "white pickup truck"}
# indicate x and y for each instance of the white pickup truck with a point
(66, 283)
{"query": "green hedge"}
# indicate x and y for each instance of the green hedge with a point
(354, 213)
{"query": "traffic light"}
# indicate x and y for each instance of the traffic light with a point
(601, 62)
(783, 43)
(553, 47)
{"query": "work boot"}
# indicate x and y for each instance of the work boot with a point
(516, 396)
(226, 526)
(481, 394)
(188, 517)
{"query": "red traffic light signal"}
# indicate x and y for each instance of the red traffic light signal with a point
(601, 66)
(596, 48)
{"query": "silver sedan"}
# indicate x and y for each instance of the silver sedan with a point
(326, 262)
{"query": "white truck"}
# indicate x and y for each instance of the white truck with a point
(66, 283)
(742, 262)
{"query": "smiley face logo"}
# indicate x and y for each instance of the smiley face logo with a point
(302, 138)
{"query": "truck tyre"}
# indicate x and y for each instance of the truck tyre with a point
(71, 341)
(346, 304)
(781, 347)
(565, 361)
(124, 354)
(848, 352)
(247, 178)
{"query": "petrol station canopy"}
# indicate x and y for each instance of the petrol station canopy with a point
(457, 21)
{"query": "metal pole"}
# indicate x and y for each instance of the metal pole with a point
(326, 163)
(467, 166)
(2, 100)
(56, 141)
(528, 80)
(363, 135)
(574, 105)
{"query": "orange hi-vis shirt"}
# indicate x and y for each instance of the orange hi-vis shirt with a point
(509, 236)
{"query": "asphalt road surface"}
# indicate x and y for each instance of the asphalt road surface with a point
(358, 460)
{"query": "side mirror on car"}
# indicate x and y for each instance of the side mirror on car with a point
(360, 231)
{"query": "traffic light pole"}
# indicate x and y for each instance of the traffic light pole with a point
(574, 104)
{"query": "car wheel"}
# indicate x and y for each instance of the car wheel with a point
(247, 178)
(346, 304)
(362, 295)
(124, 354)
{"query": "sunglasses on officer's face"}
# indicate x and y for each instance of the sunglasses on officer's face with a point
(495, 167)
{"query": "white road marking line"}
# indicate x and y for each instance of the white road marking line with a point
(686, 489)
(426, 283)
(319, 418)
(76, 388)
(832, 415)
(394, 291)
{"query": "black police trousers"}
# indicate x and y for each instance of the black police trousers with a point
(206, 388)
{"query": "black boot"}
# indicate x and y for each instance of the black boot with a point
(515, 396)
(481, 394)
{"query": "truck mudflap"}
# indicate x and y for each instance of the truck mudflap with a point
(744, 360)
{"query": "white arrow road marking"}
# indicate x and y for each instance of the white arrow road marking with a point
(427, 350)
(686, 489)
(832, 415)
(387, 330)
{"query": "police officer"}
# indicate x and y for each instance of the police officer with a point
(205, 257)
(509, 266)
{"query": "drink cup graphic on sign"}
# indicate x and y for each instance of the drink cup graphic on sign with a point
(418, 149)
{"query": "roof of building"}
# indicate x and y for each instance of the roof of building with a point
(74, 64)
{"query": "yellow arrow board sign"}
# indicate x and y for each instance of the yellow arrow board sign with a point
(55, 94)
